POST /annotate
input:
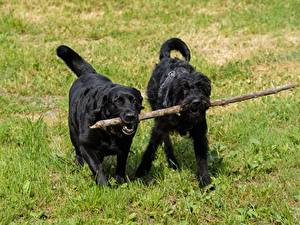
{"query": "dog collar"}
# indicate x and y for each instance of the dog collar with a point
(171, 75)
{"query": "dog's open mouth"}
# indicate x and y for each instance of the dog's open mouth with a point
(128, 129)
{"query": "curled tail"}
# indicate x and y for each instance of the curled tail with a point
(74, 61)
(174, 44)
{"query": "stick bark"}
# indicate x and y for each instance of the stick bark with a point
(177, 109)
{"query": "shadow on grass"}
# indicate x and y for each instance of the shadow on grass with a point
(183, 149)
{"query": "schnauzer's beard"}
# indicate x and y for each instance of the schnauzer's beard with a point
(183, 91)
(194, 108)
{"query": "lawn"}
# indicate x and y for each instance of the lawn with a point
(241, 46)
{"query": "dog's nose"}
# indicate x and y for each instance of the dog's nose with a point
(129, 117)
(195, 105)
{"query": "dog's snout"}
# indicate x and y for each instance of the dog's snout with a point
(196, 102)
(195, 106)
(130, 117)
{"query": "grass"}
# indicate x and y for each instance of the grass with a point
(254, 155)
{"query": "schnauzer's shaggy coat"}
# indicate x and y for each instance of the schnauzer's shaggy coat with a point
(176, 82)
(94, 97)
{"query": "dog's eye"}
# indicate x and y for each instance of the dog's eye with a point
(119, 101)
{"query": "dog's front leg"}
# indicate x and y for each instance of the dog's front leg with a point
(95, 164)
(149, 154)
(198, 135)
(100, 176)
(121, 165)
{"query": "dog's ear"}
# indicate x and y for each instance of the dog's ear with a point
(139, 97)
(93, 116)
(100, 109)
(204, 84)
(104, 100)
(99, 105)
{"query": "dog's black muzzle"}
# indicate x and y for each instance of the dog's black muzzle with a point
(130, 120)
(196, 105)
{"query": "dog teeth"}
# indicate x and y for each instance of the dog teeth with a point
(127, 131)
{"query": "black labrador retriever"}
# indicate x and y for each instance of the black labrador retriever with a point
(94, 97)
(176, 82)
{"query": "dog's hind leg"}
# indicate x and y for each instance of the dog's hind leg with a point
(78, 157)
(74, 139)
(168, 147)
(198, 135)
(149, 154)
(95, 164)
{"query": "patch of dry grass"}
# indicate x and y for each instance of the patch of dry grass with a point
(220, 49)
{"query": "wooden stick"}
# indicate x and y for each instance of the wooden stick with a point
(245, 97)
(177, 109)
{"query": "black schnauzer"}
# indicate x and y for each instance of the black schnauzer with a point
(176, 82)
(94, 97)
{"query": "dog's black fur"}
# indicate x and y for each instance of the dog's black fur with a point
(94, 97)
(176, 82)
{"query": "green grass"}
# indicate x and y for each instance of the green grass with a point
(241, 46)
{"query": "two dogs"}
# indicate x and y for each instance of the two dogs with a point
(94, 97)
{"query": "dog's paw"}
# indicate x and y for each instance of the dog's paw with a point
(120, 179)
(140, 172)
(101, 179)
(173, 164)
(143, 169)
(79, 160)
(204, 180)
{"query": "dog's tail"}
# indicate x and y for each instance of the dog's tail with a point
(74, 61)
(174, 44)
